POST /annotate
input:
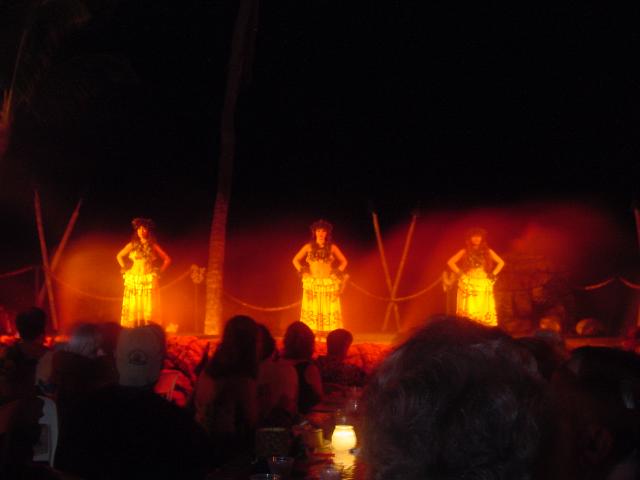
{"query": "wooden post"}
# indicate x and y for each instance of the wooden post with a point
(383, 258)
(45, 261)
(393, 287)
(61, 246)
(385, 266)
(396, 282)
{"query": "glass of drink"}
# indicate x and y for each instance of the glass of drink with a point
(280, 466)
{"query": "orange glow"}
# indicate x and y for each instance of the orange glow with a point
(258, 267)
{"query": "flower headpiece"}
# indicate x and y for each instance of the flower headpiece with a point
(142, 222)
(476, 231)
(321, 224)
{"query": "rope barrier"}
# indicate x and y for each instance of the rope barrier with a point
(262, 309)
(84, 293)
(357, 287)
(629, 284)
(111, 299)
(421, 292)
(176, 280)
(598, 285)
(397, 299)
(184, 275)
(17, 272)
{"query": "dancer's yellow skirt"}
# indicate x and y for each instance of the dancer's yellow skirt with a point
(476, 301)
(321, 303)
(140, 299)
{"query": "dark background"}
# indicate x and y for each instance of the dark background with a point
(349, 106)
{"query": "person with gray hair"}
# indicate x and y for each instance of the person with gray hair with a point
(456, 400)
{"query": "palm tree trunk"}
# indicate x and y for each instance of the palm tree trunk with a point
(243, 34)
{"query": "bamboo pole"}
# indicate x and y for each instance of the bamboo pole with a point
(61, 246)
(383, 258)
(45, 261)
(396, 282)
(392, 286)
(385, 266)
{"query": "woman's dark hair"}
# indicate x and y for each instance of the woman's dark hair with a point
(267, 342)
(599, 387)
(110, 332)
(31, 323)
(338, 342)
(143, 222)
(547, 355)
(299, 342)
(475, 232)
(321, 225)
(476, 255)
(237, 353)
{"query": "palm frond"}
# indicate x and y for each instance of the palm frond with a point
(50, 22)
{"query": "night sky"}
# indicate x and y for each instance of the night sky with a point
(349, 106)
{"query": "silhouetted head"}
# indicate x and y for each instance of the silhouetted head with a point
(139, 356)
(455, 400)
(338, 342)
(237, 353)
(31, 323)
(85, 340)
(299, 342)
(110, 332)
(267, 342)
(597, 393)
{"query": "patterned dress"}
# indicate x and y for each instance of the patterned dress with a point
(321, 309)
(475, 299)
(140, 301)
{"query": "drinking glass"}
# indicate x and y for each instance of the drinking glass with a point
(265, 476)
(280, 465)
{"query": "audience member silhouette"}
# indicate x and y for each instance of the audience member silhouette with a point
(225, 396)
(29, 348)
(299, 345)
(335, 372)
(549, 352)
(79, 369)
(20, 407)
(277, 384)
(128, 431)
(455, 401)
(597, 394)
(19, 433)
